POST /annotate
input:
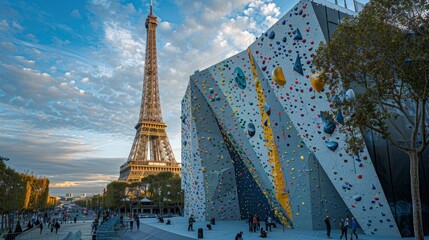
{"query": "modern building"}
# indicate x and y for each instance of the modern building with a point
(151, 152)
(255, 140)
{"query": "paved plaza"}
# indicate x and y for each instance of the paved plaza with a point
(225, 230)
(34, 234)
(151, 229)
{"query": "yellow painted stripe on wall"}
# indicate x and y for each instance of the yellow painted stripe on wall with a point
(279, 183)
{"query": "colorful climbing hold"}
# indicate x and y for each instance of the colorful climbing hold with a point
(317, 84)
(298, 66)
(350, 95)
(332, 145)
(251, 129)
(278, 76)
(240, 78)
(298, 35)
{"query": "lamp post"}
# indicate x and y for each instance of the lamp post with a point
(14, 203)
(159, 200)
(180, 202)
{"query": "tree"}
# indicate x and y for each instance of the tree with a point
(383, 55)
(115, 193)
(166, 183)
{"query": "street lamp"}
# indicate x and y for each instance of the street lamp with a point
(14, 203)
(159, 200)
(180, 201)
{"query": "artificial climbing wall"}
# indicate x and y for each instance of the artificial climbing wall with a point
(254, 139)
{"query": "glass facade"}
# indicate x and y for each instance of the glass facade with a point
(393, 170)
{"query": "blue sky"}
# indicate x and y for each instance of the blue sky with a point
(71, 76)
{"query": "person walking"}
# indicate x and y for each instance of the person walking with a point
(270, 222)
(57, 226)
(354, 227)
(258, 222)
(131, 223)
(191, 223)
(255, 223)
(41, 227)
(343, 228)
(328, 226)
(138, 223)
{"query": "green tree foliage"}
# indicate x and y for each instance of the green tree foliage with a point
(165, 186)
(12, 189)
(116, 194)
(383, 55)
(20, 191)
(37, 192)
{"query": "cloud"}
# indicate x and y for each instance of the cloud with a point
(91, 83)
(75, 13)
(65, 184)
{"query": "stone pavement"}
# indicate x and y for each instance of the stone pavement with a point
(225, 230)
(34, 234)
(147, 232)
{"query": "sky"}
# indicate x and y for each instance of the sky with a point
(71, 77)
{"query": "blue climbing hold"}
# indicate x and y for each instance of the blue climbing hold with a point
(267, 109)
(240, 78)
(298, 35)
(272, 35)
(339, 118)
(298, 66)
(328, 126)
(251, 129)
(332, 145)
(358, 198)
(284, 39)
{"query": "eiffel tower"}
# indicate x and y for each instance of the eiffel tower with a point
(151, 151)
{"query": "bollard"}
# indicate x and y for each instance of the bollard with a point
(200, 233)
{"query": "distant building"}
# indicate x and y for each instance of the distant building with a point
(69, 195)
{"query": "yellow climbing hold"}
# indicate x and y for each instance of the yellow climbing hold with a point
(278, 76)
(316, 83)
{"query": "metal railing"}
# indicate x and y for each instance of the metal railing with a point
(112, 229)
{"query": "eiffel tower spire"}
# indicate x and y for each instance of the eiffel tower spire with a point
(151, 151)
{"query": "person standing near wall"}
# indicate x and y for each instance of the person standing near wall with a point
(191, 223)
(343, 228)
(354, 227)
(254, 222)
(250, 223)
(328, 226)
